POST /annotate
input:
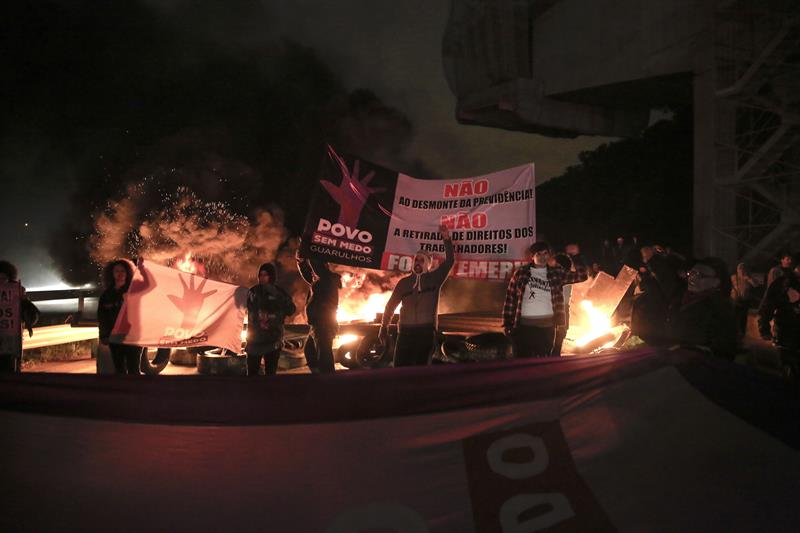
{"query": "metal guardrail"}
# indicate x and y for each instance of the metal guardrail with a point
(66, 294)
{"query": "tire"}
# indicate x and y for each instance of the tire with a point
(158, 364)
(347, 355)
(450, 351)
(183, 357)
(213, 363)
(486, 347)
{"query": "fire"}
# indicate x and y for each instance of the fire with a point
(361, 297)
(356, 308)
(596, 324)
(189, 265)
(592, 329)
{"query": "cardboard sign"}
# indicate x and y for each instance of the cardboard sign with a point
(10, 326)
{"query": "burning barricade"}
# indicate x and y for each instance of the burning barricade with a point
(591, 311)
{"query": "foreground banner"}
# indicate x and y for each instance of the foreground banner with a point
(643, 441)
(368, 216)
(165, 307)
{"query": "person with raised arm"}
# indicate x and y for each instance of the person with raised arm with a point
(320, 310)
(419, 294)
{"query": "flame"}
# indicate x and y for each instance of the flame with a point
(595, 324)
(186, 264)
(190, 265)
(360, 298)
(356, 308)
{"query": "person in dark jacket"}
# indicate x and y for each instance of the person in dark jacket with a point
(783, 268)
(29, 316)
(659, 290)
(781, 303)
(704, 317)
(117, 277)
(320, 310)
(419, 294)
(621, 253)
(268, 305)
(607, 260)
(534, 304)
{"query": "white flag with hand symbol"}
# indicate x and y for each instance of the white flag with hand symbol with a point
(165, 307)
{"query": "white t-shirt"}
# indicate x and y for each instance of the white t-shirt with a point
(536, 299)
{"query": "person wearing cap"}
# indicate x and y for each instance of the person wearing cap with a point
(534, 305)
(419, 294)
(268, 305)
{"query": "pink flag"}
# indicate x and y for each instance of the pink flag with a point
(165, 307)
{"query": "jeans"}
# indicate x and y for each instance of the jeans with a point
(533, 341)
(271, 358)
(126, 358)
(414, 345)
(322, 335)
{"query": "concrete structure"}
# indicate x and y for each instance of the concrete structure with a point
(598, 67)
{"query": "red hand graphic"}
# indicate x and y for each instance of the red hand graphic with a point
(352, 193)
(191, 302)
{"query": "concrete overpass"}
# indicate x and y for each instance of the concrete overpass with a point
(598, 67)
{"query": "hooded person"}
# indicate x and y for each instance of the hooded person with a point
(321, 310)
(704, 316)
(419, 294)
(117, 277)
(268, 306)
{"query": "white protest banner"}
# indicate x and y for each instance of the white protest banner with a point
(491, 219)
(369, 216)
(10, 326)
(165, 307)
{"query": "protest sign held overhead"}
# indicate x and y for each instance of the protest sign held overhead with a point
(368, 216)
(165, 307)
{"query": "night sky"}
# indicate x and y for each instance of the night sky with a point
(96, 92)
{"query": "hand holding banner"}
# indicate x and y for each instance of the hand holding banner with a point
(165, 307)
(491, 218)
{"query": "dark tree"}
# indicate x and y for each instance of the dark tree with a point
(640, 186)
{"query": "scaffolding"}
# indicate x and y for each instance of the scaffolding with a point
(756, 127)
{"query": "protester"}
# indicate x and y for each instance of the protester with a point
(742, 296)
(783, 268)
(607, 260)
(704, 317)
(534, 304)
(268, 305)
(620, 253)
(677, 261)
(781, 302)
(634, 259)
(573, 250)
(565, 261)
(651, 303)
(595, 270)
(29, 316)
(419, 294)
(117, 277)
(320, 310)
